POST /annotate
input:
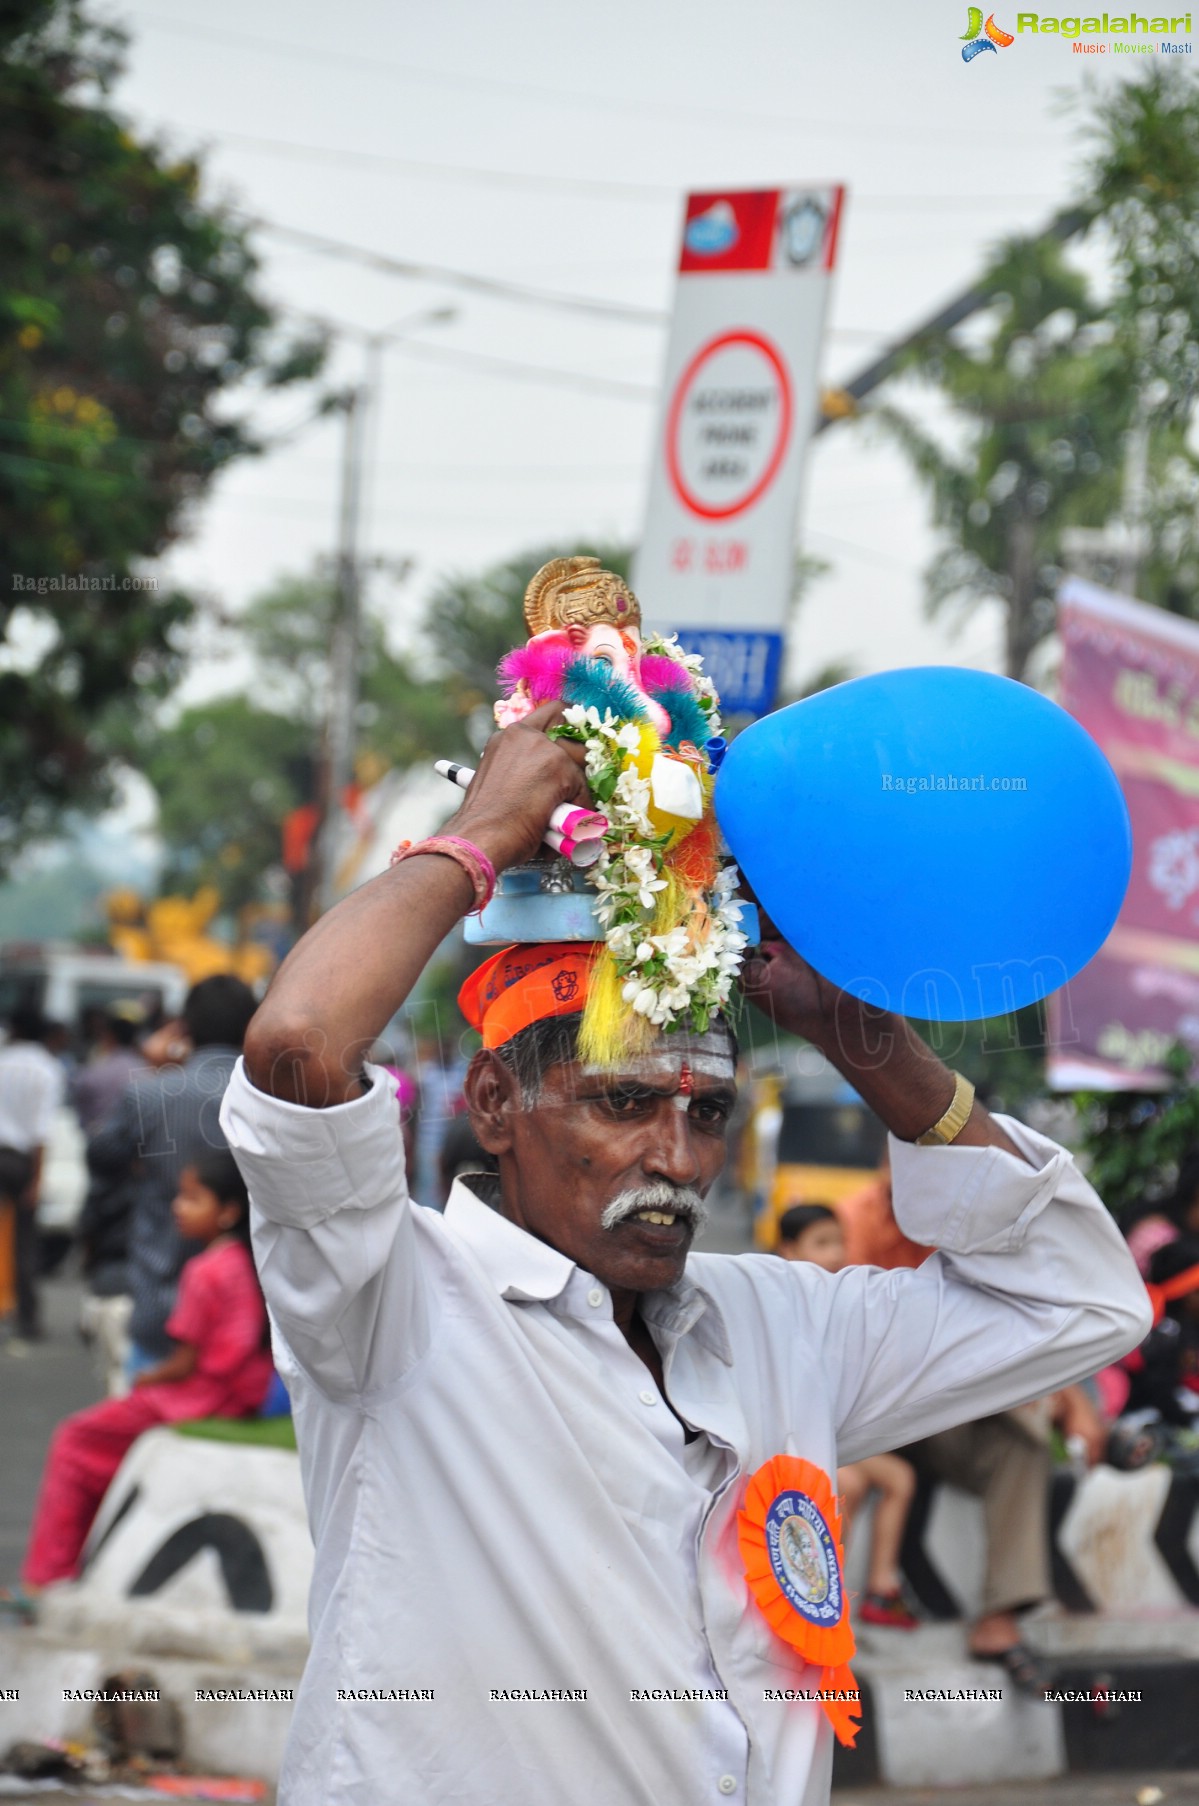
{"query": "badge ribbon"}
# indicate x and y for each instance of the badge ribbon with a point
(789, 1532)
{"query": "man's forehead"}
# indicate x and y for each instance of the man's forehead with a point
(671, 1060)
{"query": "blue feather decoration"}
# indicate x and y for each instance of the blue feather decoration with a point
(687, 720)
(593, 683)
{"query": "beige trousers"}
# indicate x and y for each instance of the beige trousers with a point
(1010, 1470)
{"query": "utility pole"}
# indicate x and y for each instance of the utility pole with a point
(341, 726)
(339, 743)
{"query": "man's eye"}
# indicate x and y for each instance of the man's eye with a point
(711, 1112)
(627, 1103)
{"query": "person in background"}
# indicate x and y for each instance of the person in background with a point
(166, 1120)
(219, 1366)
(32, 1086)
(1162, 1224)
(14, 1176)
(96, 1088)
(439, 1075)
(813, 1232)
(1164, 1370)
(102, 1235)
(406, 1101)
(872, 1236)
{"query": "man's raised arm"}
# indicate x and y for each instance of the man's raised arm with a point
(341, 985)
(1032, 1287)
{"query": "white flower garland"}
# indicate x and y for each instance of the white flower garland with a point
(685, 975)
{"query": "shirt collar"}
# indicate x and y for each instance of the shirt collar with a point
(524, 1270)
(521, 1268)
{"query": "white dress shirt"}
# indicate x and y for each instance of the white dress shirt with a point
(501, 1500)
(32, 1086)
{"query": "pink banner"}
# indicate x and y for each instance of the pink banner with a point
(1130, 675)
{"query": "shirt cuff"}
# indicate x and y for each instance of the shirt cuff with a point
(304, 1165)
(970, 1200)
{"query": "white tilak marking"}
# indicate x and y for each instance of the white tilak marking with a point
(713, 1066)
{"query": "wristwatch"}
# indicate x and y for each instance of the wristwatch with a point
(949, 1126)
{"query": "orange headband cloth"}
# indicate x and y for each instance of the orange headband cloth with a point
(526, 984)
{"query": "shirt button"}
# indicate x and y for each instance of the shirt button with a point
(647, 1397)
(595, 1296)
(727, 1784)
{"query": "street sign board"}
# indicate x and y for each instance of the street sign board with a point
(740, 398)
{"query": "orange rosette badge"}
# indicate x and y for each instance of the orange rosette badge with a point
(789, 1532)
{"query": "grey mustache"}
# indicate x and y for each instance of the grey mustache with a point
(685, 1203)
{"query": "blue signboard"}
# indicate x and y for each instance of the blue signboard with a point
(745, 667)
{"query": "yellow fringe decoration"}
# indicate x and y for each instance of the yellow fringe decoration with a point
(611, 1031)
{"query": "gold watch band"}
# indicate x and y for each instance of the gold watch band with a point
(954, 1120)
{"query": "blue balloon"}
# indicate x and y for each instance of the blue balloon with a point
(940, 842)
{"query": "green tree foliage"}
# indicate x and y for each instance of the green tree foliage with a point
(1046, 386)
(226, 774)
(1135, 1142)
(471, 622)
(127, 310)
(1145, 184)
(1041, 406)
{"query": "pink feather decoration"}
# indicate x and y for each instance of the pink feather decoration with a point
(541, 666)
(661, 673)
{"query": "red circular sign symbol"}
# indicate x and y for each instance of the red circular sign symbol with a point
(753, 341)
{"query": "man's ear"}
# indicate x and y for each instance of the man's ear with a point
(492, 1095)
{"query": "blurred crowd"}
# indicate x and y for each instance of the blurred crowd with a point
(174, 1313)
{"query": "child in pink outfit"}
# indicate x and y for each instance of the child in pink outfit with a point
(221, 1368)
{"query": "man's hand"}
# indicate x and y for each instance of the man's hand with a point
(522, 778)
(343, 982)
(780, 983)
(888, 1064)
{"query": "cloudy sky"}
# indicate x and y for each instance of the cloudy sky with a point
(549, 146)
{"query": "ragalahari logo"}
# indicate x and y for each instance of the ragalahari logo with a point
(992, 38)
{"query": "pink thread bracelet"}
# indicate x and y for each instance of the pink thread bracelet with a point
(472, 859)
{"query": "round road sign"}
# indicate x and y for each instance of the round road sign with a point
(729, 424)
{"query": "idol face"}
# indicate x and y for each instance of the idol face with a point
(619, 647)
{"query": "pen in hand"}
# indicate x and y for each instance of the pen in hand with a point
(575, 834)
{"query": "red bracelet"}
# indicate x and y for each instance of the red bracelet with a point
(472, 859)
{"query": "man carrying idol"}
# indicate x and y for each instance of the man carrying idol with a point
(571, 1485)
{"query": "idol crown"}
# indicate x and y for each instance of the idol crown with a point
(578, 592)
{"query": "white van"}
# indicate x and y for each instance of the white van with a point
(66, 983)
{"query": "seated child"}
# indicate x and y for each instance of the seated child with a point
(813, 1232)
(220, 1368)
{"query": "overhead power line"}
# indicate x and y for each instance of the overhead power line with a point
(459, 172)
(516, 292)
(463, 279)
(569, 95)
(482, 362)
(604, 189)
(501, 366)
